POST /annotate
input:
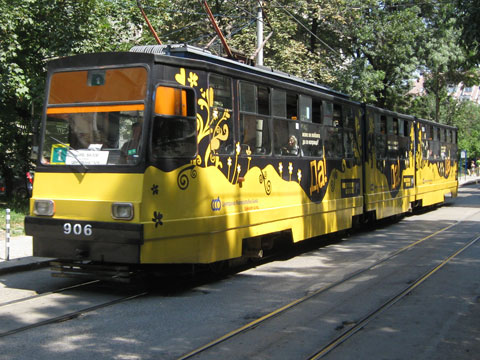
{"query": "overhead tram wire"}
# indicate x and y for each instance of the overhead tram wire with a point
(232, 33)
(228, 15)
(307, 29)
(253, 15)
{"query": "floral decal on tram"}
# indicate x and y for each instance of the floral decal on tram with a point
(215, 136)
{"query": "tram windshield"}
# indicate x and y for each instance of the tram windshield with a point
(95, 117)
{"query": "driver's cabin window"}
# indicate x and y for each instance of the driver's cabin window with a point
(175, 125)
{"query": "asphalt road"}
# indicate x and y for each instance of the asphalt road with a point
(436, 320)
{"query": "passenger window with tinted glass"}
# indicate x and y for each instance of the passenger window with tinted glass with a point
(263, 96)
(305, 103)
(255, 134)
(248, 97)
(380, 136)
(279, 103)
(349, 118)
(348, 142)
(312, 140)
(292, 106)
(317, 111)
(337, 116)
(327, 113)
(285, 137)
(222, 90)
(334, 142)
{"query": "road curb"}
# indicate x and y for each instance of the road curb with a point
(469, 182)
(24, 264)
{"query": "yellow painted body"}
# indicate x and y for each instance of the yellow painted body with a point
(203, 209)
(190, 231)
(432, 187)
(391, 191)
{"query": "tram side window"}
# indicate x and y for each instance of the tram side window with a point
(429, 132)
(305, 104)
(435, 146)
(349, 126)
(255, 134)
(312, 131)
(334, 139)
(175, 124)
(401, 125)
(444, 146)
(263, 97)
(285, 137)
(392, 138)
(312, 139)
(334, 142)
(403, 139)
(254, 129)
(348, 140)
(406, 129)
(248, 97)
(279, 103)
(327, 113)
(349, 121)
(222, 119)
(292, 106)
(285, 132)
(425, 142)
(380, 136)
(222, 89)
(317, 111)
(337, 116)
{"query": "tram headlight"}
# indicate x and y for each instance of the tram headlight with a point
(122, 211)
(44, 207)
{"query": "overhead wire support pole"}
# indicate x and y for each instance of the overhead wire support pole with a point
(152, 30)
(260, 35)
(217, 30)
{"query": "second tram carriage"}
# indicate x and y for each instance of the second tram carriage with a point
(169, 155)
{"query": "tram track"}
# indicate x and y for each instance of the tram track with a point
(388, 304)
(35, 311)
(36, 296)
(357, 325)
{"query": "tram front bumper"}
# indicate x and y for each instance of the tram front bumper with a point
(106, 242)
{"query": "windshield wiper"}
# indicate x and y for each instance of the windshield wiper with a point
(69, 149)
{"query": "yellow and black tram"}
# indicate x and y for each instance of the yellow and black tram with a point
(170, 155)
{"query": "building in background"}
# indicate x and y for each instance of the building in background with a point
(458, 91)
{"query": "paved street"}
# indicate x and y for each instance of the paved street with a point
(436, 320)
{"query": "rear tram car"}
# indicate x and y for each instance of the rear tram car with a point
(169, 155)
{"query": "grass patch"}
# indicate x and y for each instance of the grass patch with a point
(18, 211)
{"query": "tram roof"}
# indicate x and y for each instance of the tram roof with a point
(196, 53)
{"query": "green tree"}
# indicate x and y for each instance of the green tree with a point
(33, 31)
(467, 15)
(467, 118)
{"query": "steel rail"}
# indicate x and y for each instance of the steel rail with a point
(27, 298)
(298, 301)
(388, 304)
(71, 315)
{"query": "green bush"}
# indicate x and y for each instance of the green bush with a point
(18, 209)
